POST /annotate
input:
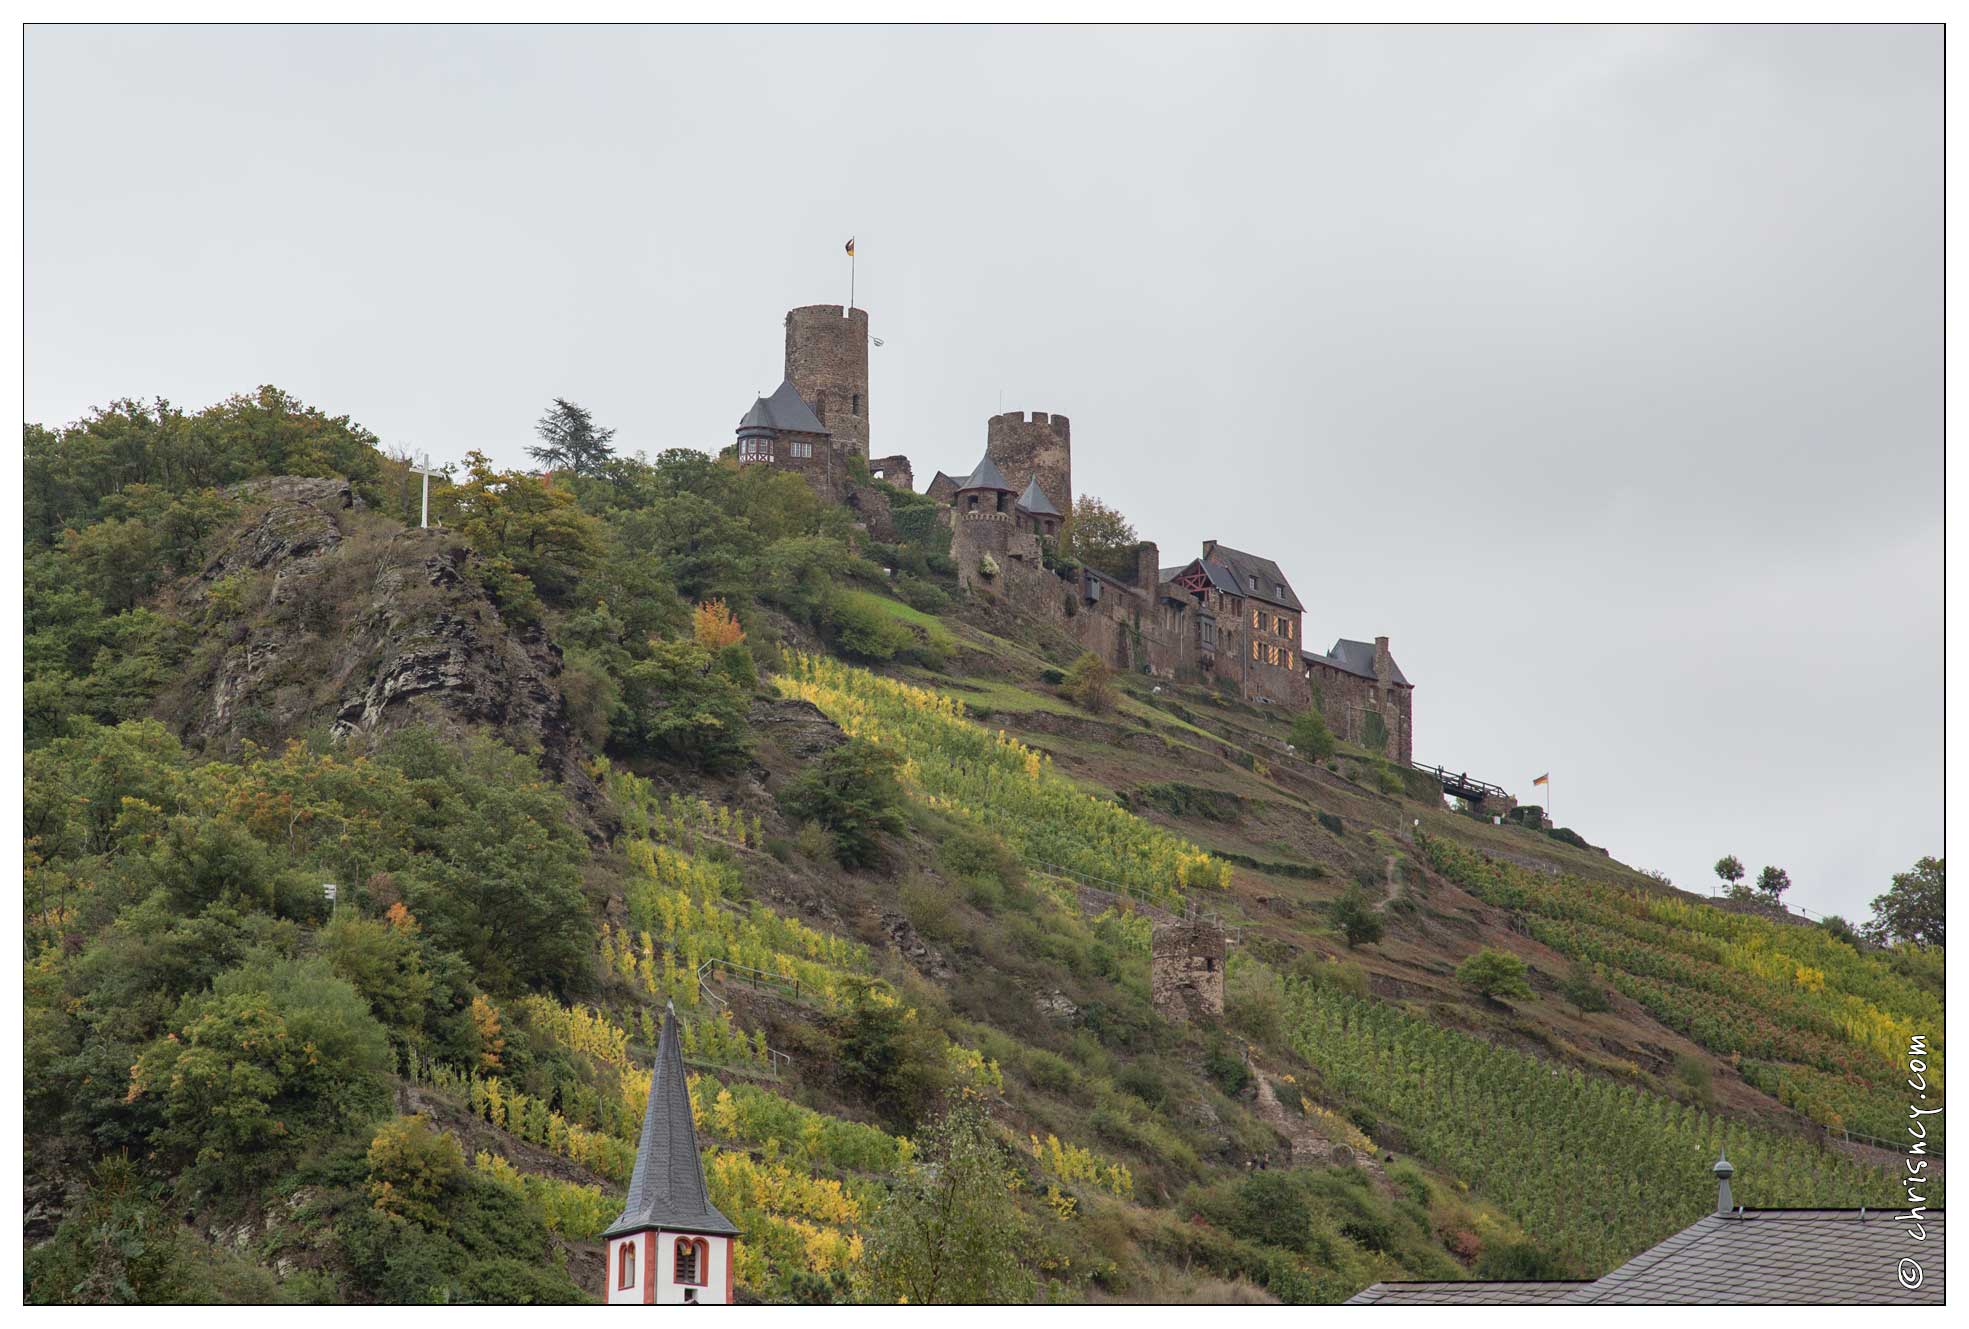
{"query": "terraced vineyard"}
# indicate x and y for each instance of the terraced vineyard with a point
(953, 763)
(1596, 1170)
(1819, 1025)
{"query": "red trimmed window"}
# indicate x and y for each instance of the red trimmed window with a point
(626, 1276)
(693, 1261)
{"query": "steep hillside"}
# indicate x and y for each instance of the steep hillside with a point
(677, 733)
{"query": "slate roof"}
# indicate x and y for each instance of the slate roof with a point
(1256, 577)
(1355, 657)
(985, 475)
(1750, 1257)
(1034, 500)
(1220, 577)
(1462, 1294)
(784, 410)
(1779, 1256)
(666, 1190)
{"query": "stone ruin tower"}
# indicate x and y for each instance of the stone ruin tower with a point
(1036, 446)
(1186, 969)
(827, 363)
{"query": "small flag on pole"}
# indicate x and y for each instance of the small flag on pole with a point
(851, 246)
(1543, 779)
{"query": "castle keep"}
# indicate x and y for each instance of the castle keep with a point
(1226, 616)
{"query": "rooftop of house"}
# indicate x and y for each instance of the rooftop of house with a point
(1257, 577)
(666, 1189)
(1465, 1293)
(785, 410)
(1355, 657)
(1034, 500)
(1745, 1257)
(985, 475)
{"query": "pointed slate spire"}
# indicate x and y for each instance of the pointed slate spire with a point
(667, 1188)
(986, 476)
(1034, 500)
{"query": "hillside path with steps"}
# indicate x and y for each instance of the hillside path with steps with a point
(1310, 1146)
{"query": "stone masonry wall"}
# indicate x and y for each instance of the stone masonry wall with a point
(824, 469)
(892, 470)
(1346, 699)
(1186, 970)
(827, 361)
(1041, 445)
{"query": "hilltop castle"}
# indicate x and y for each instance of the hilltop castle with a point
(1225, 616)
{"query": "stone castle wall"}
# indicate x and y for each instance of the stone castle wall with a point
(893, 470)
(1347, 699)
(1186, 970)
(1039, 445)
(827, 361)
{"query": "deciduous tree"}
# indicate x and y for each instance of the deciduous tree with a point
(1913, 908)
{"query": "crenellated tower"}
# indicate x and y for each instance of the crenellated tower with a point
(827, 363)
(1032, 446)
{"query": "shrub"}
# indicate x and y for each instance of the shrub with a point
(861, 629)
(1254, 1002)
(681, 704)
(854, 794)
(1696, 1077)
(1331, 822)
(1090, 684)
(1311, 736)
(1226, 1068)
(922, 595)
(895, 1061)
(1356, 917)
(1583, 990)
(1374, 732)
(812, 841)
(411, 1166)
(1272, 1208)
(951, 1232)
(1566, 835)
(278, 1053)
(1494, 975)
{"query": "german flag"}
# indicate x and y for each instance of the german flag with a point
(1543, 779)
(851, 246)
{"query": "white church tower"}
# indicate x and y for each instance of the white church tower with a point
(671, 1247)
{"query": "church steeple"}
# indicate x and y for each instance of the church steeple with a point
(670, 1245)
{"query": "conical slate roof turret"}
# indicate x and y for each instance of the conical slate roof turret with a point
(1034, 500)
(986, 476)
(785, 409)
(667, 1188)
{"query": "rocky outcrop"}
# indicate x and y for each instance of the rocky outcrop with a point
(326, 615)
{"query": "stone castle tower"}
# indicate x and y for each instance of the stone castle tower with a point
(827, 363)
(1036, 446)
(1186, 968)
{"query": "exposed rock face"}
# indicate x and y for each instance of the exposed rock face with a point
(798, 728)
(910, 945)
(339, 618)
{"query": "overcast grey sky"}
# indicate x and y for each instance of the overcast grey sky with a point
(1599, 368)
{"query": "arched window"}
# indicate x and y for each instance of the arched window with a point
(626, 1265)
(693, 1260)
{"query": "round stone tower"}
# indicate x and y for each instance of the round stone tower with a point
(827, 363)
(1038, 445)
